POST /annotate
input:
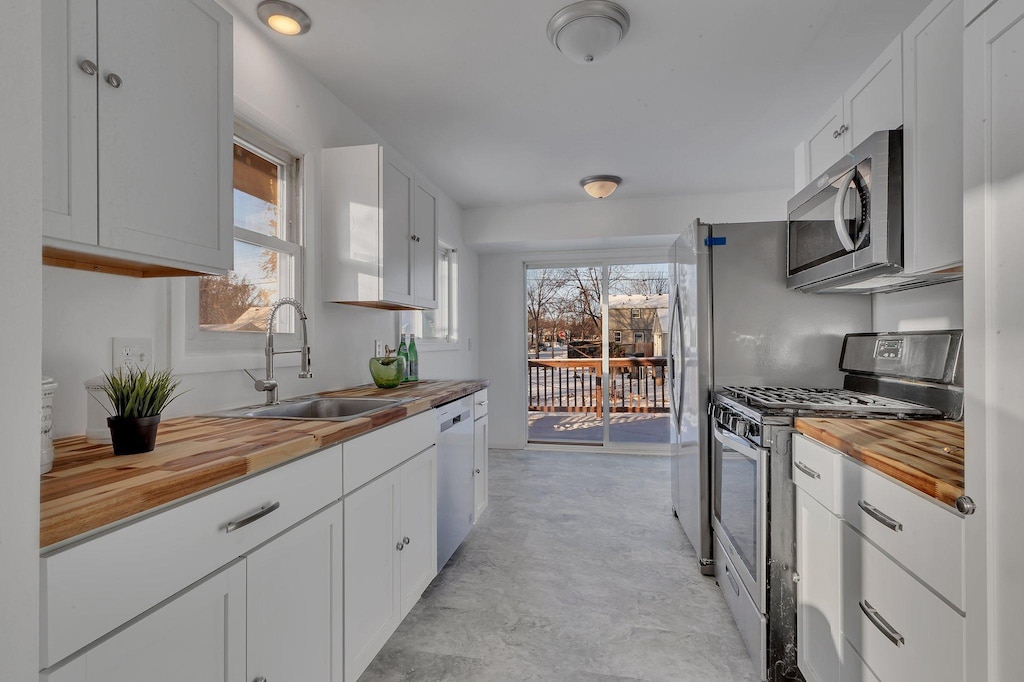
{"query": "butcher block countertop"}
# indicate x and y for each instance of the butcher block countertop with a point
(89, 487)
(925, 455)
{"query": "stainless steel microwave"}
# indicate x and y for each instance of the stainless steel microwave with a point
(846, 227)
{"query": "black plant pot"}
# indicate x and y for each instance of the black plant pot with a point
(131, 435)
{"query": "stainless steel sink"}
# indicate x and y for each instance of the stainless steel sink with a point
(325, 409)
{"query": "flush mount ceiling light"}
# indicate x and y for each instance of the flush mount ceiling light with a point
(284, 17)
(600, 186)
(586, 31)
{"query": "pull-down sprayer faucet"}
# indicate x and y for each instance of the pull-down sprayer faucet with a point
(269, 384)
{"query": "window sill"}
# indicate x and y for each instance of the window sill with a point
(436, 346)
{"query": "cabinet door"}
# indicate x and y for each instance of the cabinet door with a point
(198, 635)
(480, 461)
(875, 101)
(69, 120)
(418, 526)
(397, 190)
(818, 595)
(372, 596)
(993, 318)
(294, 602)
(424, 266)
(165, 133)
(933, 107)
(825, 145)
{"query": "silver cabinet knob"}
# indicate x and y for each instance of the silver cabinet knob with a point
(114, 80)
(414, 238)
(835, 134)
(260, 679)
(965, 505)
(400, 546)
(88, 66)
(843, 128)
(406, 540)
(478, 471)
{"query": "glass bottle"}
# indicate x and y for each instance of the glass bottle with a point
(403, 352)
(414, 360)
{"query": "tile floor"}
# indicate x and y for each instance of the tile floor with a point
(577, 571)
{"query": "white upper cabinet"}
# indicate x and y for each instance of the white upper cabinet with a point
(379, 230)
(137, 114)
(874, 102)
(933, 135)
(824, 146)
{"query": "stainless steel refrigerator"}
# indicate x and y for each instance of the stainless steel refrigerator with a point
(734, 323)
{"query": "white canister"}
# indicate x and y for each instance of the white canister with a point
(97, 405)
(46, 425)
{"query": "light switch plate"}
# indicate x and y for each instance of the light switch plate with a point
(378, 348)
(131, 352)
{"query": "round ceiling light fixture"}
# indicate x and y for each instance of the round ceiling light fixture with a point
(284, 17)
(588, 30)
(600, 186)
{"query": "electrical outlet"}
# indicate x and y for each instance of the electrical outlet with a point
(131, 352)
(378, 348)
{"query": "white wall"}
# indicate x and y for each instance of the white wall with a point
(20, 226)
(530, 228)
(82, 311)
(940, 306)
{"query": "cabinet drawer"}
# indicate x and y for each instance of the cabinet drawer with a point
(919, 533)
(369, 456)
(816, 471)
(91, 588)
(479, 404)
(899, 627)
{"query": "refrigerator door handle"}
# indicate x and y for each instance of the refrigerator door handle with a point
(675, 379)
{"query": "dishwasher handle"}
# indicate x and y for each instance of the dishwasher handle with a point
(445, 425)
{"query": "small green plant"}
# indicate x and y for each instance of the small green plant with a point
(135, 392)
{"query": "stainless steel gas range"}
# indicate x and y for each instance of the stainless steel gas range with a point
(888, 376)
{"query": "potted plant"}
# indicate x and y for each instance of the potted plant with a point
(137, 397)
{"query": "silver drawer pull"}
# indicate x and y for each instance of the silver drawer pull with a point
(732, 580)
(883, 626)
(482, 403)
(807, 470)
(880, 516)
(256, 516)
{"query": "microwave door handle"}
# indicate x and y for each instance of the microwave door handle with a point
(840, 210)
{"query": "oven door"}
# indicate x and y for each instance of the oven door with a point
(740, 506)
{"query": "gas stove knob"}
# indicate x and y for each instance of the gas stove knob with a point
(740, 427)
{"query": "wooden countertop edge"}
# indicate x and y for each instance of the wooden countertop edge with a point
(111, 503)
(930, 484)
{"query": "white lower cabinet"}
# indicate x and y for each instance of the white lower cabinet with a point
(880, 575)
(480, 464)
(898, 626)
(390, 555)
(198, 635)
(819, 633)
(294, 605)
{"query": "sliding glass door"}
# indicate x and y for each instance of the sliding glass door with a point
(597, 338)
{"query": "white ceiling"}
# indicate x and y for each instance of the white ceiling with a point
(700, 96)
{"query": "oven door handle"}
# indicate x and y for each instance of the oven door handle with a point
(739, 444)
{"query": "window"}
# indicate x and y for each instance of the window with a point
(635, 312)
(638, 337)
(230, 313)
(617, 336)
(438, 328)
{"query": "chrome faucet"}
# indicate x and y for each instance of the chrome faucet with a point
(269, 384)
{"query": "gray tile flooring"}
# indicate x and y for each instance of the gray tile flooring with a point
(577, 571)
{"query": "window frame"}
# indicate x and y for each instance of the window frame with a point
(196, 350)
(411, 321)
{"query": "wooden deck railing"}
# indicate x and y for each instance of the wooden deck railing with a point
(637, 385)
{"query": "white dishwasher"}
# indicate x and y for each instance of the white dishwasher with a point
(454, 476)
